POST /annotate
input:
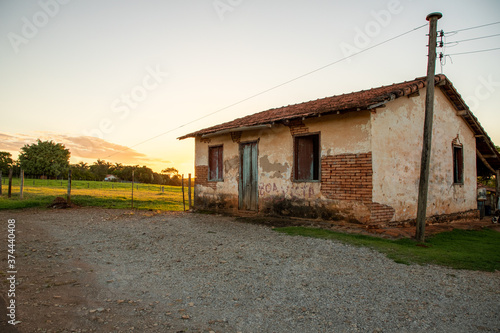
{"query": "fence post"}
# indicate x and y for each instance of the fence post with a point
(183, 198)
(189, 190)
(132, 188)
(69, 187)
(9, 192)
(21, 186)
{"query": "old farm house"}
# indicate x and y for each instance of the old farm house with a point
(354, 156)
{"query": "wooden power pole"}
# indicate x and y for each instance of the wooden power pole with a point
(427, 141)
(132, 201)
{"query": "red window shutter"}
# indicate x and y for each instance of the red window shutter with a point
(219, 163)
(215, 163)
(307, 157)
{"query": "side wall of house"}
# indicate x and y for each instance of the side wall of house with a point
(343, 189)
(216, 195)
(397, 132)
(344, 185)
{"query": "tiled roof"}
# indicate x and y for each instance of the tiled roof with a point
(355, 101)
(363, 100)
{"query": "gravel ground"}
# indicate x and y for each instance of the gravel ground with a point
(179, 272)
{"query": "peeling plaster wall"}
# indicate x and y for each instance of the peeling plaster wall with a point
(277, 192)
(397, 132)
(216, 194)
(343, 134)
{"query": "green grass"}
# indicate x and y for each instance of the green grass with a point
(459, 249)
(40, 193)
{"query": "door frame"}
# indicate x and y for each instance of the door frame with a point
(255, 171)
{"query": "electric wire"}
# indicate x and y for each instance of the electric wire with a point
(267, 90)
(476, 27)
(471, 39)
(478, 51)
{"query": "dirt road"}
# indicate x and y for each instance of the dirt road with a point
(100, 270)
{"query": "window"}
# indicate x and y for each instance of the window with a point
(215, 163)
(306, 160)
(458, 165)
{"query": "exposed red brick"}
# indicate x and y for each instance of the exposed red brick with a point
(202, 176)
(381, 214)
(236, 136)
(297, 126)
(347, 177)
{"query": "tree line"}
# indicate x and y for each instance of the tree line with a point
(47, 159)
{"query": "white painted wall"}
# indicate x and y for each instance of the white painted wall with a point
(397, 132)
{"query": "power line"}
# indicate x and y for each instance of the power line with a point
(478, 51)
(471, 39)
(269, 89)
(476, 27)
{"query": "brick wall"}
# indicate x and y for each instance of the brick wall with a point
(202, 176)
(236, 136)
(297, 126)
(381, 214)
(347, 177)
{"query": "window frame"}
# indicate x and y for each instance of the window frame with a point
(316, 174)
(458, 165)
(220, 163)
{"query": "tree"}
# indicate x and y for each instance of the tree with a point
(143, 174)
(45, 158)
(81, 171)
(172, 176)
(170, 171)
(101, 169)
(5, 162)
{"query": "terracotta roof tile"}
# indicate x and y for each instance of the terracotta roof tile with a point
(361, 100)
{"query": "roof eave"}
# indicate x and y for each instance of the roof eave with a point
(485, 148)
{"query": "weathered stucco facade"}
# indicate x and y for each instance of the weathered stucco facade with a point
(397, 132)
(368, 162)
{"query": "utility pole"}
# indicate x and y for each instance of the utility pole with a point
(427, 141)
(132, 203)
(69, 187)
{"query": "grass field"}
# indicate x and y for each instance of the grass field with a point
(40, 193)
(460, 249)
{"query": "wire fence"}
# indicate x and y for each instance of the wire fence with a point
(22, 192)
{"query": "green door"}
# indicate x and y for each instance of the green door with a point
(248, 186)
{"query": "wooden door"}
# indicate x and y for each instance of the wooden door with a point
(248, 185)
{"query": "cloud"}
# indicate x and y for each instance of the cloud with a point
(81, 148)
(13, 142)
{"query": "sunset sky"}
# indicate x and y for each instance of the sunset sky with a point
(120, 80)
